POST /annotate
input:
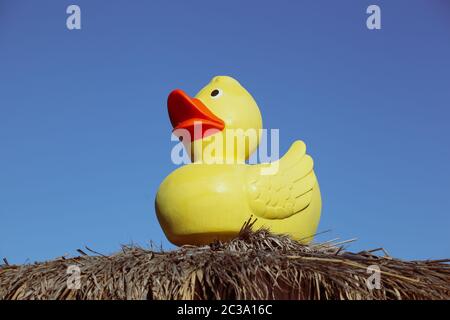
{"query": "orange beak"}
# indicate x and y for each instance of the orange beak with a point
(192, 115)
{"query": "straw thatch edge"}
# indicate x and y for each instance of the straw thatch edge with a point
(255, 265)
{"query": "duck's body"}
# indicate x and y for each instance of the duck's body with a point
(211, 200)
(204, 203)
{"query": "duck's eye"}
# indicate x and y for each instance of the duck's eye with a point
(216, 93)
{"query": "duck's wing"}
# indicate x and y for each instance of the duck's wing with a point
(283, 188)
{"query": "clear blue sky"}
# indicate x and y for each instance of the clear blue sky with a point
(85, 136)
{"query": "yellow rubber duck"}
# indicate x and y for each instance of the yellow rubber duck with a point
(211, 198)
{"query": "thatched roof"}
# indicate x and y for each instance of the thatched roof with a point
(256, 265)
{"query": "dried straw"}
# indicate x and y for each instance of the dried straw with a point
(255, 265)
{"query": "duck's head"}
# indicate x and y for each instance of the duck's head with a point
(223, 110)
